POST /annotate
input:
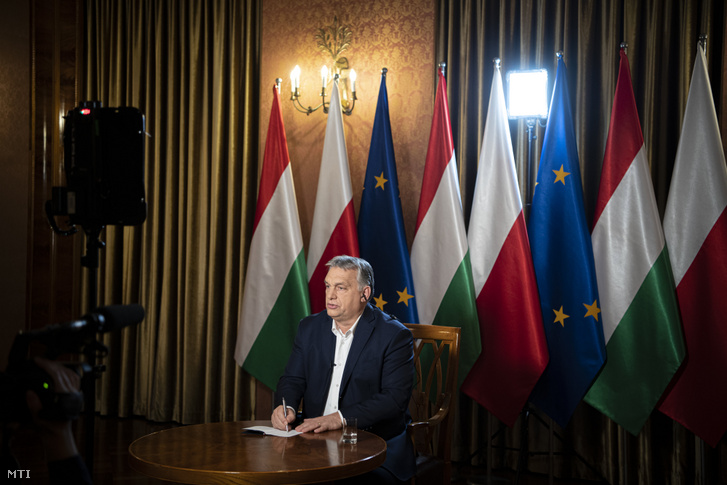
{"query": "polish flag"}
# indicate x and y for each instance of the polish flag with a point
(333, 232)
(695, 225)
(511, 324)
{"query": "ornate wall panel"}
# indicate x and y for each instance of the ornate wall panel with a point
(398, 35)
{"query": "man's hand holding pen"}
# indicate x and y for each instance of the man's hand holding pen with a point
(282, 417)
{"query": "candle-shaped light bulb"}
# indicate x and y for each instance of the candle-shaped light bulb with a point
(353, 80)
(324, 76)
(295, 78)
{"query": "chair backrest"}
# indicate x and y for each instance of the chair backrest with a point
(436, 360)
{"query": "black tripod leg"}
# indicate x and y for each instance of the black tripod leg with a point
(522, 461)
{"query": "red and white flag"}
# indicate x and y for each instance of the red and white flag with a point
(695, 226)
(334, 224)
(515, 351)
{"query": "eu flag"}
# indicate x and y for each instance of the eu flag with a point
(564, 267)
(382, 239)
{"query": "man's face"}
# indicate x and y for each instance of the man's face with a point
(344, 300)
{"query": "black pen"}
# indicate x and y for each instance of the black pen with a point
(285, 413)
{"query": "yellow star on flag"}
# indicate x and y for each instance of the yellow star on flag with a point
(560, 175)
(404, 297)
(380, 181)
(560, 316)
(593, 310)
(380, 302)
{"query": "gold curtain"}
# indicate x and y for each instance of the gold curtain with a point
(190, 66)
(662, 40)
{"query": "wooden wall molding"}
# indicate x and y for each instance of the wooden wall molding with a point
(54, 276)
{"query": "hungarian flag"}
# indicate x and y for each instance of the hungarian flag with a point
(514, 351)
(695, 225)
(440, 260)
(276, 291)
(564, 268)
(640, 316)
(333, 231)
(381, 224)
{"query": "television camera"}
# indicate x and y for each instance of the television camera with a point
(76, 337)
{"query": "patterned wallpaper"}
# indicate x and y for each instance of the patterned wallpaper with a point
(396, 34)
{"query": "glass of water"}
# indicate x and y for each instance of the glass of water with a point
(350, 430)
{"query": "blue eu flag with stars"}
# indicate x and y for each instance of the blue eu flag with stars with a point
(382, 239)
(564, 267)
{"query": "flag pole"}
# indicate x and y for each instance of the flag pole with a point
(699, 441)
(623, 449)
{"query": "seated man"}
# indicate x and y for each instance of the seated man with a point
(355, 361)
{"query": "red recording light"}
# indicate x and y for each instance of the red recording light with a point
(85, 111)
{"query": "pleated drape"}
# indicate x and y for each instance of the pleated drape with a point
(190, 66)
(662, 38)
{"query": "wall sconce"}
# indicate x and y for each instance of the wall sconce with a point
(527, 98)
(332, 40)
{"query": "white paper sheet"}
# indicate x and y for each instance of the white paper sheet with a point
(270, 431)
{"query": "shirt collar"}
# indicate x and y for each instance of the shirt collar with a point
(336, 331)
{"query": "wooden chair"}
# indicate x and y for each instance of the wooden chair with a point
(432, 402)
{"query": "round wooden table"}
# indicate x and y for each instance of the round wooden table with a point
(220, 453)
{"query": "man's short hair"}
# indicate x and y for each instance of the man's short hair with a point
(364, 271)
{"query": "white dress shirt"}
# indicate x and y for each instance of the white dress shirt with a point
(343, 347)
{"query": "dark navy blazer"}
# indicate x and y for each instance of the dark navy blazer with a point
(376, 385)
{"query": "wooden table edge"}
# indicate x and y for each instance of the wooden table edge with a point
(202, 477)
